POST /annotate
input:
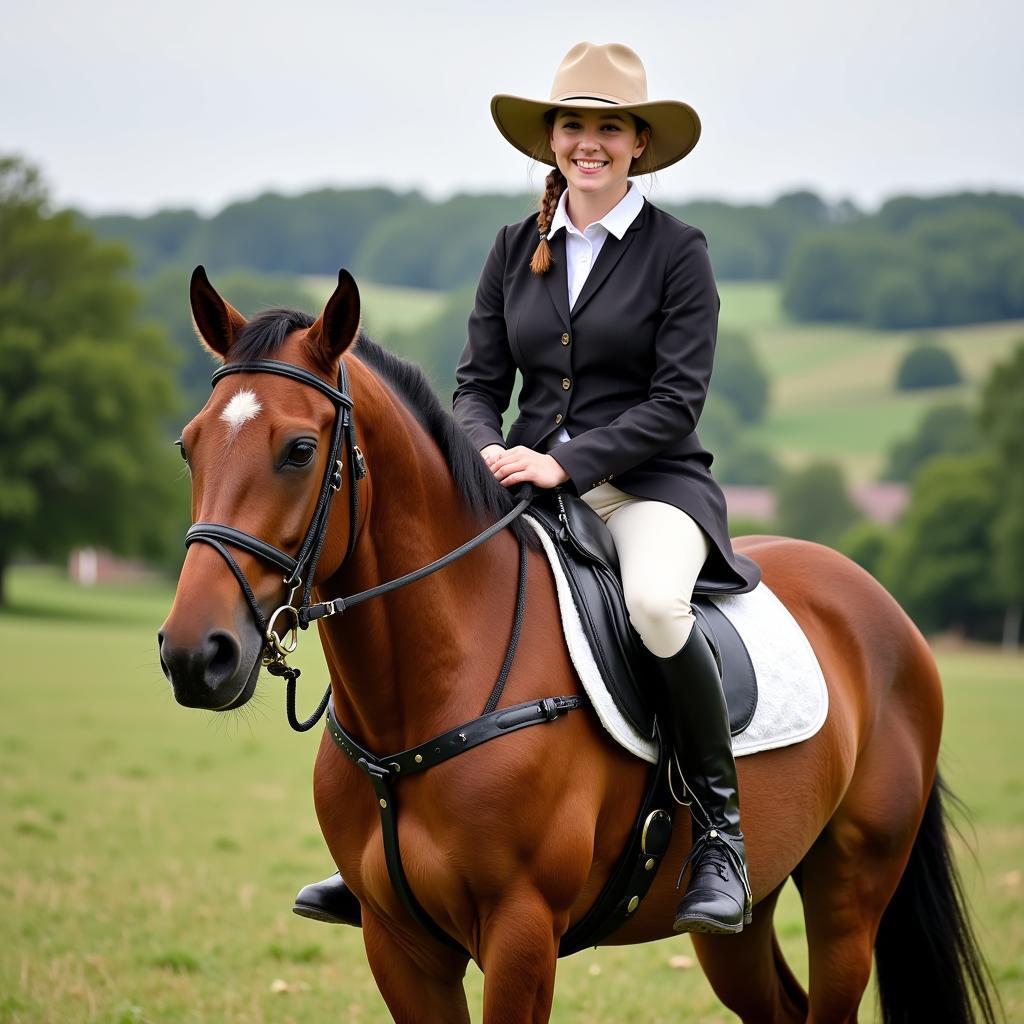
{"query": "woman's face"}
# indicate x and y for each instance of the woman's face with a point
(594, 149)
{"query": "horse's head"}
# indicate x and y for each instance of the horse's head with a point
(265, 456)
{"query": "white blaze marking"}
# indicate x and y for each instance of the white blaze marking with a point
(242, 408)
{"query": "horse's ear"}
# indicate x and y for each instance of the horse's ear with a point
(337, 326)
(216, 322)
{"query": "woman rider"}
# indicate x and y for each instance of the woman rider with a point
(608, 307)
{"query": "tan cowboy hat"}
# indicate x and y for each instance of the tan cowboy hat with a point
(599, 77)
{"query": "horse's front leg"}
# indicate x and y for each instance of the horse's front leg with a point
(519, 950)
(421, 982)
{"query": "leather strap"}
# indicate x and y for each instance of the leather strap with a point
(636, 868)
(243, 540)
(340, 604)
(455, 741)
(339, 396)
(384, 771)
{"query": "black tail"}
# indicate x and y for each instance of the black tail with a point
(928, 963)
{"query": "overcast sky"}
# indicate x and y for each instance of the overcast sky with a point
(134, 106)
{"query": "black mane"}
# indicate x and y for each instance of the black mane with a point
(473, 480)
(264, 334)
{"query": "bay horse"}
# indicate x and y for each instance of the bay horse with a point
(507, 845)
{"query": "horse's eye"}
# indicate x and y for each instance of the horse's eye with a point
(302, 453)
(181, 448)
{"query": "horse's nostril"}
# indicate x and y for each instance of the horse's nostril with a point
(224, 658)
(160, 650)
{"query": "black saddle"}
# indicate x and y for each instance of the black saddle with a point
(587, 553)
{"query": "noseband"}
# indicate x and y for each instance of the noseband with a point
(300, 570)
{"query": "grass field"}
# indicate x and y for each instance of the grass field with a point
(385, 308)
(832, 386)
(151, 852)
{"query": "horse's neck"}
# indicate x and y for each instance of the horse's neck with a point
(424, 657)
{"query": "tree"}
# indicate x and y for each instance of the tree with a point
(946, 429)
(940, 562)
(813, 504)
(927, 366)
(748, 463)
(438, 245)
(739, 375)
(897, 297)
(165, 302)
(1002, 419)
(828, 273)
(866, 543)
(85, 389)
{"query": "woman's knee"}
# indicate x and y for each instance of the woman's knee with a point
(662, 618)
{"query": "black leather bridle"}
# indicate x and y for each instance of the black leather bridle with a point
(300, 569)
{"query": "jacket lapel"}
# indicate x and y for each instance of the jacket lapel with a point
(611, 252)
(557, 278)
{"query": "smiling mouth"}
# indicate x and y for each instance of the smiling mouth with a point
(590, 165)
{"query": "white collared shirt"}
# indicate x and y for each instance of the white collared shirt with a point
(582, 247)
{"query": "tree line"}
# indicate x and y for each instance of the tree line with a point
(955, 557)
(92, 402)
(915, 262)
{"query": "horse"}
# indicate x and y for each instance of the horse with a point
(507, 846)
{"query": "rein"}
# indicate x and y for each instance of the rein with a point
(300, 570)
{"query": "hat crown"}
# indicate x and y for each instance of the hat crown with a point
(611, 72)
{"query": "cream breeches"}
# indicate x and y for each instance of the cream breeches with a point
(661, 551)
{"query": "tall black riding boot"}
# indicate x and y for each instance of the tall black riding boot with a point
(330, 900)
(717, 899)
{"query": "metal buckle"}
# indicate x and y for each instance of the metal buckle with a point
(360, 461)
(280, 646)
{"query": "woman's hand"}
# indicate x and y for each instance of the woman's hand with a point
(523, 465)
(491, 452)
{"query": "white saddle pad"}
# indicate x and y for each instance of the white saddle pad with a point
(792, 699)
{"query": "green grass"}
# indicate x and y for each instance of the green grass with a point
(833, 393)
(151, 852)
(385, 308)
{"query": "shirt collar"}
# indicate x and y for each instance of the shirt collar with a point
(616, 221)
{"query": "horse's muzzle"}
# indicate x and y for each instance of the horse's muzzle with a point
(216, 674)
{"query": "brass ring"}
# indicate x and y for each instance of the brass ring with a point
(284, 645)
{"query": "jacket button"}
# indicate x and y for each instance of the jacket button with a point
(558, 417)
(566, 383)
(565, 339)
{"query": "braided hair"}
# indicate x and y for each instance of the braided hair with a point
(554, 185)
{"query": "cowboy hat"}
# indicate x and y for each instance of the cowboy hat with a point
(600, 77)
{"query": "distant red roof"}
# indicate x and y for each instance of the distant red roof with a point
(880, 502)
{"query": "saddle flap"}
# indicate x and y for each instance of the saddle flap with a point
(586, 550)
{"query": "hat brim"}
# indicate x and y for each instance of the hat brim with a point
(675, 127)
